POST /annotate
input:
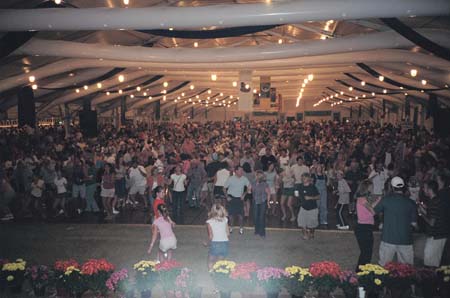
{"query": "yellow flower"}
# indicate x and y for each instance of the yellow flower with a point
(10, 278)
(377, 281)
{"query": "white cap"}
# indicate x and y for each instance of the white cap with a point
(397, 182)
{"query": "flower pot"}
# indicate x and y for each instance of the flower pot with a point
(323, 294)
(39, 291)
(272, 294)
(15, 289)
(146, 294)
(225, 294)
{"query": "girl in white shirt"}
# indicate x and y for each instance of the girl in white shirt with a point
(218, 234)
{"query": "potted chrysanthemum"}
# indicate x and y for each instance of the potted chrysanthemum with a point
(271, 279)
(146, 277)
(40, 277)
(298, 281)
(13, 275)
(220, 274)
(372, 278)
(326, 277)
(400, 278)
(96, 273)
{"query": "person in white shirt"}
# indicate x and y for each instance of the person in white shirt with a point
(236, 188)
(218, 234)
(178, 180)
(138, 182)
(220, 179)
(298, 170)
(61, 192)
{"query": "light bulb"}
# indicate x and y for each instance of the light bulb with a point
(221, 93)
(108, 93)
(424, 82)
(384, 91)
(131, 96)
(138, 88)
(231, 96)
(254, 91)
(120, 91)
(305, 81)
(164, 98)
(121, 78)
(195, 44)
(77, 90)
(363, 83)
(234, 84)
(165, 84)
(247, 86)
(145, 93)
(209, 91)
(310, 77)
(126, 2)
(413, 72)
(34, 87)
(280, 41)
(381, 78)
(182, 93)
(85, 87)
(214, 77)
(373, 93)
(192, 87)
(99, 85)
(350, 88)
(57, 2)
(31, 79)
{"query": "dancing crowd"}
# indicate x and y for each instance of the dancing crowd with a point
(291, 171)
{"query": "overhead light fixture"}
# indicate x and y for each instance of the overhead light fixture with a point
(280, 41)
(424, 82)
(363, 83)
(57, 2)
(209, 91)
(31, 79)
(164, 98)
(221, 93)
(150, 97)
(195, 44)
(384, 91)
(164, 91)
(126, 2)
(381, 78)
(131, 96)
(121, 78)
(342, 92)
(214, 77)
(165, 84)
(413, 72)
(182, 93)
(350, 88)
(34, 87)
(373, 93)
(145, 93)
(197, 96)
(120, 91)
(77, 90)
(310, 77)
(99, 85)
(235, 84)
(192, 87)
(305, 81)
(255, 91)
(85, 87)
(107, 93)
(138, 88)
(303, 85)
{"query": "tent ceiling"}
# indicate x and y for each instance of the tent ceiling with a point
(287, 78)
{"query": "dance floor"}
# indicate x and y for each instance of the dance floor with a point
(125, 244)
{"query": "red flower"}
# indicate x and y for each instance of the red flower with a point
(61, 265)
(244, 271)
(94, 266)
(167, 265)
(399, 270)
(325, 268)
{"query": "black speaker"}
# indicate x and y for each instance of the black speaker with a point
(88, 123)
(26, 108)
(441, 122)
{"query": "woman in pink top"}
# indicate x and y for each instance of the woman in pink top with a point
(364, 227)
(163, 226)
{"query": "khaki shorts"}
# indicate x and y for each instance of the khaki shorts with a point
(433, 251)
(167, 243)
(308, 218)
(405, 253)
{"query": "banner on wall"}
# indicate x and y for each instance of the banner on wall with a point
(264, 86)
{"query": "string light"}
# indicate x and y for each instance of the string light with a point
(138, 88)
(131, 96)
(164, 91)
(310, 77)
(99, 85)
(221, 93)
(34, 86)
(192, 87)
(254, 91)
(182, 94)
(424, 82)
(145, 93)
(77, 90)
(247, 86)
(120, 91)
(121, 78)
(305, 81)
(413, 72)
(214, 77)
(31, 79)
(197, 96)
(165, 84)
(195, 44)
(350, 88)
(57, 2)
(164, 98)
(363, 83)
(107, 93)
(373, 93)
(384, 91)
(85, 87)
(280, 41)
(126, 2)
(209, 91)
(381, 78)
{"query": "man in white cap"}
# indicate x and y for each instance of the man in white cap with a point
(399, 213)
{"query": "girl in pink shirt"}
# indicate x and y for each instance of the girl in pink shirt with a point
(364, 227)
(163, 226)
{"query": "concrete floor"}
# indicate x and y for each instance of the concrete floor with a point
(125, 244)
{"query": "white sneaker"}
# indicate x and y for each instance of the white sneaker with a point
(231, 230)
(343, 227)
(115, 211)
(241, 231)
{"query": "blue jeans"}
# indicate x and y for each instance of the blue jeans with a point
(323, 208)
(177, 206)
(260, 218)
(91, 204)
(193, 191)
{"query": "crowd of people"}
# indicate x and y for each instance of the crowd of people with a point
(291, 171)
